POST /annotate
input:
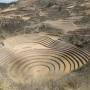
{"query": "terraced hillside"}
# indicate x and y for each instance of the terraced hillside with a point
(45, 45)
(26, 58)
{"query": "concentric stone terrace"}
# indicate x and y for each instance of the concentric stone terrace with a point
(32, 57)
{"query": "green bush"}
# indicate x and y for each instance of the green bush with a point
(84, 20)
(47, 3)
